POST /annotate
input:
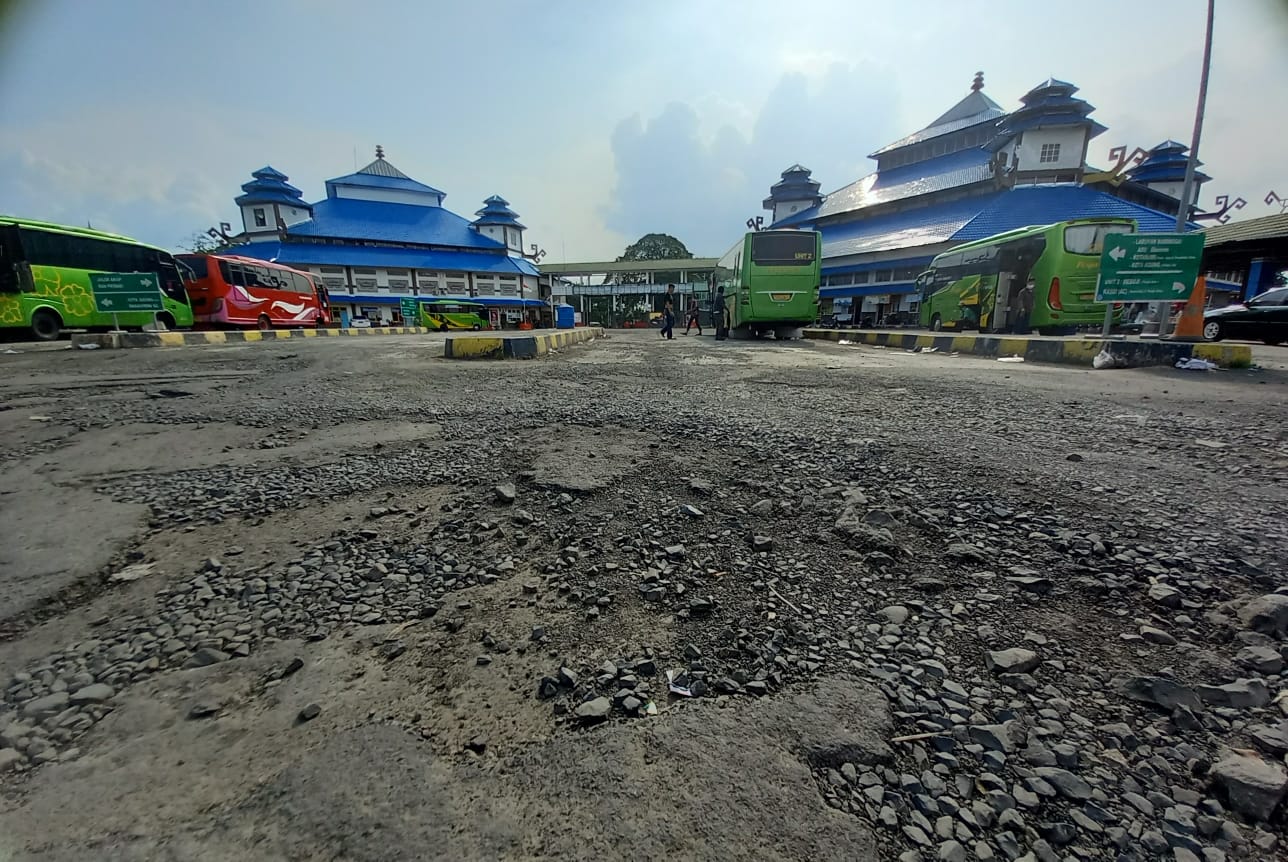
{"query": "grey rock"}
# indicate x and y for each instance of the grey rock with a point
(1157, 636)
(96, 693)
(1030, 584)
(505, 493)
(1166, 595)
(593, 711)
(994, 737)
(47, 705)
(1013, 660)
(309, 712)
(952, 851)
(761, 544)
(929, 584)
(1241, 694)
(10, 759)
(1272, 738)
(1069, 785)
(1140, 803)
(675, 552)
(896, 614)
(1253, 786)
(762, 507)
(203, 709)
(1267, 614)
(206, 656)
(965, 553)
(1159, 691)
(691, 511)
(1262, 659)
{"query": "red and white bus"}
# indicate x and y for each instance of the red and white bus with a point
(226, 290)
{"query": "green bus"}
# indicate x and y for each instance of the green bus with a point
(445, 314)
(770, 280)
(45, 285)
(977, 285)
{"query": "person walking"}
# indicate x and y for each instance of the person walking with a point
(668, 313)
(718, 318)
(691, 316)
(1024, 301)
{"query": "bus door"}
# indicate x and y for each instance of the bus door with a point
(324, 304)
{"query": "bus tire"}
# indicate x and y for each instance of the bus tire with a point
(476, 327)
(167, 320)
(46, 325)
(936, 324)
(264, 324)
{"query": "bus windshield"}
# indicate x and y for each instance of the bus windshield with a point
(1090, 238)
(783, 249)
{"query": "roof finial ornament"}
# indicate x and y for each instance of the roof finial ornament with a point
(380, 152)
(978, 83)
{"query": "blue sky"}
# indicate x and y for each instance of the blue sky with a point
(598, 122)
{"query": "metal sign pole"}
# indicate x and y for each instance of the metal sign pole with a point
(1183, 211)
(1109, 312)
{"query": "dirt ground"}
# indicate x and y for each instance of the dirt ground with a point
(280, 476)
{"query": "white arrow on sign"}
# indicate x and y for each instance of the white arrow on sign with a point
(1179, 289)
(107, 303)
(146, 282)
(1118, 253)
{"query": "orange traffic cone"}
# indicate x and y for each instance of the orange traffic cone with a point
(1190, 325)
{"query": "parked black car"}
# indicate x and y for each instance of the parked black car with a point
(1262, 318)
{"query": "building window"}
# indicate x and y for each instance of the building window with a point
(1050, 153)
(261, 220)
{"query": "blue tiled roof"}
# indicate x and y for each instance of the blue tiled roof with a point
(379, 182)
(921, 226)
(976, 108)
(981, 216)
(305, 253)
(347, 218)
(270, 197)
(1037, 205)
(933, 175)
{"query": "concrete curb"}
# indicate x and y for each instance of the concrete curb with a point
(516, 346)
(1070, 351)
(117, 340)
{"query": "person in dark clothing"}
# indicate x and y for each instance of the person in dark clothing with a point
(668, 313)
(1024, 305)
(718, 314)
(691, 316)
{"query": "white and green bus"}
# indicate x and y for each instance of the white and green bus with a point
(45, 278)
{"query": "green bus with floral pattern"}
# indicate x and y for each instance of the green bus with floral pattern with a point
(45, 278)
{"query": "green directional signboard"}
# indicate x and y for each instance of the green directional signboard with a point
(408, 307)
(119, 292)
(1149, 267)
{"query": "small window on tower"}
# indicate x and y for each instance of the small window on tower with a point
(1050, 153)
(260, 219)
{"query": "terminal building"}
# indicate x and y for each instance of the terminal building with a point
(380, 236)
(975, 171)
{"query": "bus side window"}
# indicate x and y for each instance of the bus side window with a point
(301, 283)
(10, 259)
(238, 276)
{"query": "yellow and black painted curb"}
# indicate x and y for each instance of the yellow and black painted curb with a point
(1068, 351)
(516, 346)
(233, 336)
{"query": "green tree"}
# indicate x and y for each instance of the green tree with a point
(651, 246)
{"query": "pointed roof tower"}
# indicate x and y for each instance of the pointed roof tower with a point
(496, 211)
(973, 110)
(270, 186)
(1165, 163)
(381, 174)
(796, 186)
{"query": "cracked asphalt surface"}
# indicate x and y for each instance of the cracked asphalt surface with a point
(343, 599)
